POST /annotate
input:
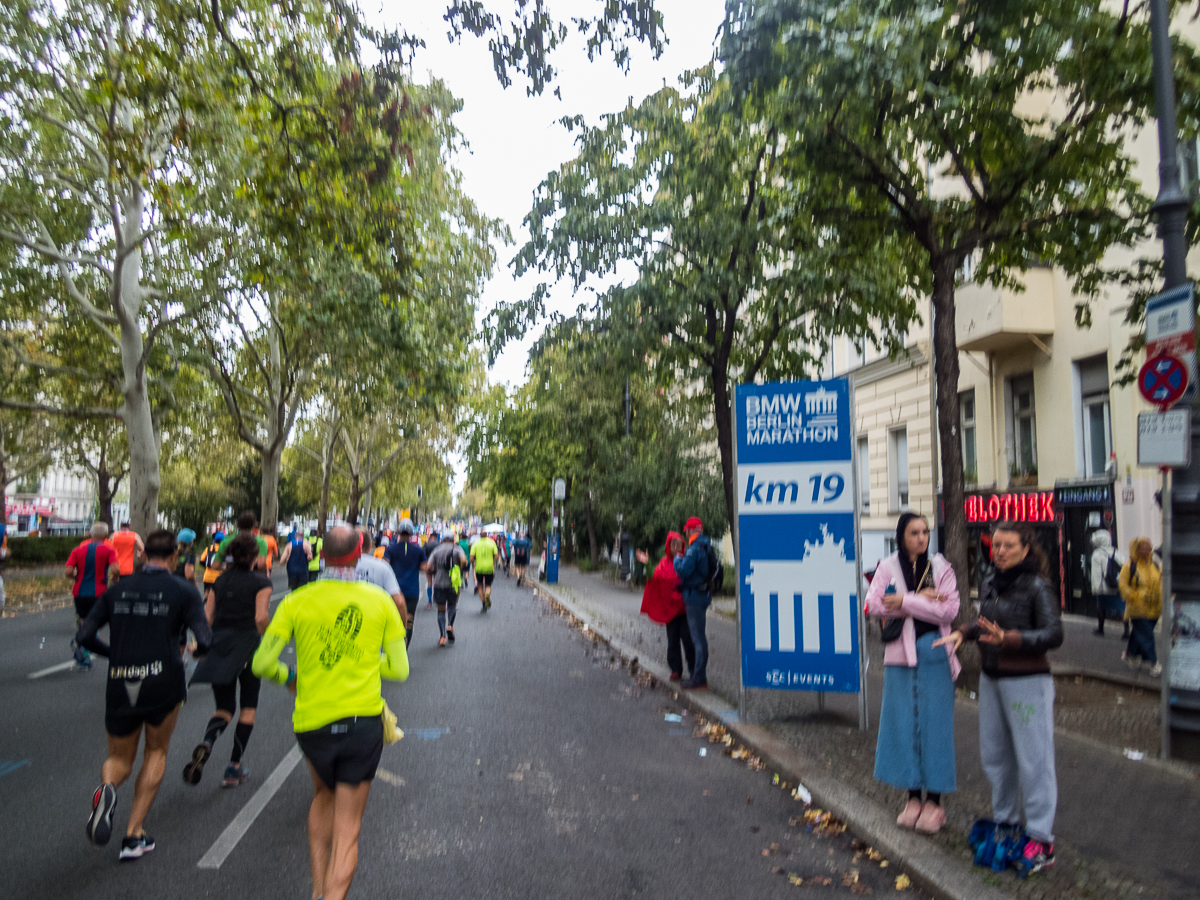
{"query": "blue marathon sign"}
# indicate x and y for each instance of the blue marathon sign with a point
(796, 542)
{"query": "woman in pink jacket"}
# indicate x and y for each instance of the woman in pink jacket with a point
(916, 595)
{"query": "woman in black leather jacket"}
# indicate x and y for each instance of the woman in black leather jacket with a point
(1020, 619)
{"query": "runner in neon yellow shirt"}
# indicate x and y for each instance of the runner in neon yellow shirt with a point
(483, 558)
(349, 636)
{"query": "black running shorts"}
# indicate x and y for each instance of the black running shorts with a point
(485, 578)
(297, 580)
(520, 559)
(124, 722)
(445, 596)
(344, 752)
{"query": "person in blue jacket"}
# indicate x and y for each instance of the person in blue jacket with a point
(695, 570)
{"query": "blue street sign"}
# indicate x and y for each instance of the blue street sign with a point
(796, 536)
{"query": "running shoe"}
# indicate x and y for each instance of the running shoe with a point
(442, 641)
(136, 847)
(82, 658)
(193, 771)
(450, 633)
(487, 602)
(1036, 857)
(1156, 670)
(99, 824)
(235, 775)
(692, 685)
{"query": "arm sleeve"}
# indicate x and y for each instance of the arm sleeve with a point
(1047, 631)
(266, 662)
(685, 565)
(393, 663)
(96, 619)
(197, 621)
(936, 612)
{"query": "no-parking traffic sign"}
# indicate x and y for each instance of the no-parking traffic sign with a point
(1163, 380)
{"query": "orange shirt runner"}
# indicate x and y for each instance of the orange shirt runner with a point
(125, 543)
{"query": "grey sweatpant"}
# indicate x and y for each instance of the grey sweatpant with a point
(1016, 743)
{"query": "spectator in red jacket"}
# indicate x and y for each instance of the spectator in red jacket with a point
(662, 602)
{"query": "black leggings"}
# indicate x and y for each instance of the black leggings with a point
(679, 634)
(225, 694)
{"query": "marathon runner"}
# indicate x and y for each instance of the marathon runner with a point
(130, 550)
(238, 609)
(431, 543)
(521, 548)
(90, 565)
(379, 573)
(406, 557)
(341, 626)
(212, 571)
(297, 555)
(185, 568)
(483, 560)
(146, 614)
(246, 522)
(315, 545)
(443, 559)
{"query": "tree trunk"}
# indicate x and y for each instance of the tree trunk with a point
(106, 488)
(328, 445)
(272, 463)
(593, 547)
(954, 533)
(721, 410)
(353, 501)
(141, 431)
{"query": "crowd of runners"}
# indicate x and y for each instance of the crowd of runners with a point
(352, 595)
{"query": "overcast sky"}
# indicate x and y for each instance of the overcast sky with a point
(516, 139)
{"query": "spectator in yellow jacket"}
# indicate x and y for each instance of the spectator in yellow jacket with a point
(1141, 589)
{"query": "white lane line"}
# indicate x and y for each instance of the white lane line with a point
(61, 667)
(237, 829)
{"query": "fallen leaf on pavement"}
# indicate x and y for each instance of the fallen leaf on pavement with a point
(903, 883)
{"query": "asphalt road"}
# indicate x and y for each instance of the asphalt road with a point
(531, 768)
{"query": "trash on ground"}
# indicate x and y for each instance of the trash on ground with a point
(1135, 755)
(801, 793)
(704, 751)
(671, 717)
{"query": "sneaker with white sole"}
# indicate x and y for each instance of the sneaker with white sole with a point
(99, 824)
(1156, 670)
(136, 847)
(235, 775)
(1037, 856)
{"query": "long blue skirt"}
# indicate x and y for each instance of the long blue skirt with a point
(916, 726)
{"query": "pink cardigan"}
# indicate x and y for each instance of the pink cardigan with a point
(903, 652)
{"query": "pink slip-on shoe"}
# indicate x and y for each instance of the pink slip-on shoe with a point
(932, 818)
(912, 811)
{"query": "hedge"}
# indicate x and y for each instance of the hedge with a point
(41, 551)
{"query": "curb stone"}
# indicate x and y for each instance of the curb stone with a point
(926, 864)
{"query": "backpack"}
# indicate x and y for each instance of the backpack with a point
(716, 572)
(1112, 572)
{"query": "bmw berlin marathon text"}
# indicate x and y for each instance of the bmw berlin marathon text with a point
(798, 590)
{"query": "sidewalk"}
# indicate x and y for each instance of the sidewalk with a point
(1125, 829)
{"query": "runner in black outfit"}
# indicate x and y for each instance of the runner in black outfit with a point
(146, 613)
(238, 608)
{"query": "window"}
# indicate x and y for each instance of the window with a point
(966, 416)
(1097, 426)
(864, 476)
(1022, 428)
(898, 469)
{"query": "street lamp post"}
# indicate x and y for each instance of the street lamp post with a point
(1181, 491)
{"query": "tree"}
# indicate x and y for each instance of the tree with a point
(734, 282)
(995, 131)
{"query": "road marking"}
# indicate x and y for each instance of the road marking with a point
(11, 765)
(61, 667)
(237, 829)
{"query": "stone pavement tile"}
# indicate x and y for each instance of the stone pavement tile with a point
(1124, 829)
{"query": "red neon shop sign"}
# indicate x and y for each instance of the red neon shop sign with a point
(1037, 506)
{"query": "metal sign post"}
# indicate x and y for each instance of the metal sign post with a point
(799, 607)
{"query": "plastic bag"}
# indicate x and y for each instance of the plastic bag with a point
(391, 733)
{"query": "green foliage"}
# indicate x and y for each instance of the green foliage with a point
(41, 551)
(706, 195)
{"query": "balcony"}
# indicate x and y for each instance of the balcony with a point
(992, 320)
